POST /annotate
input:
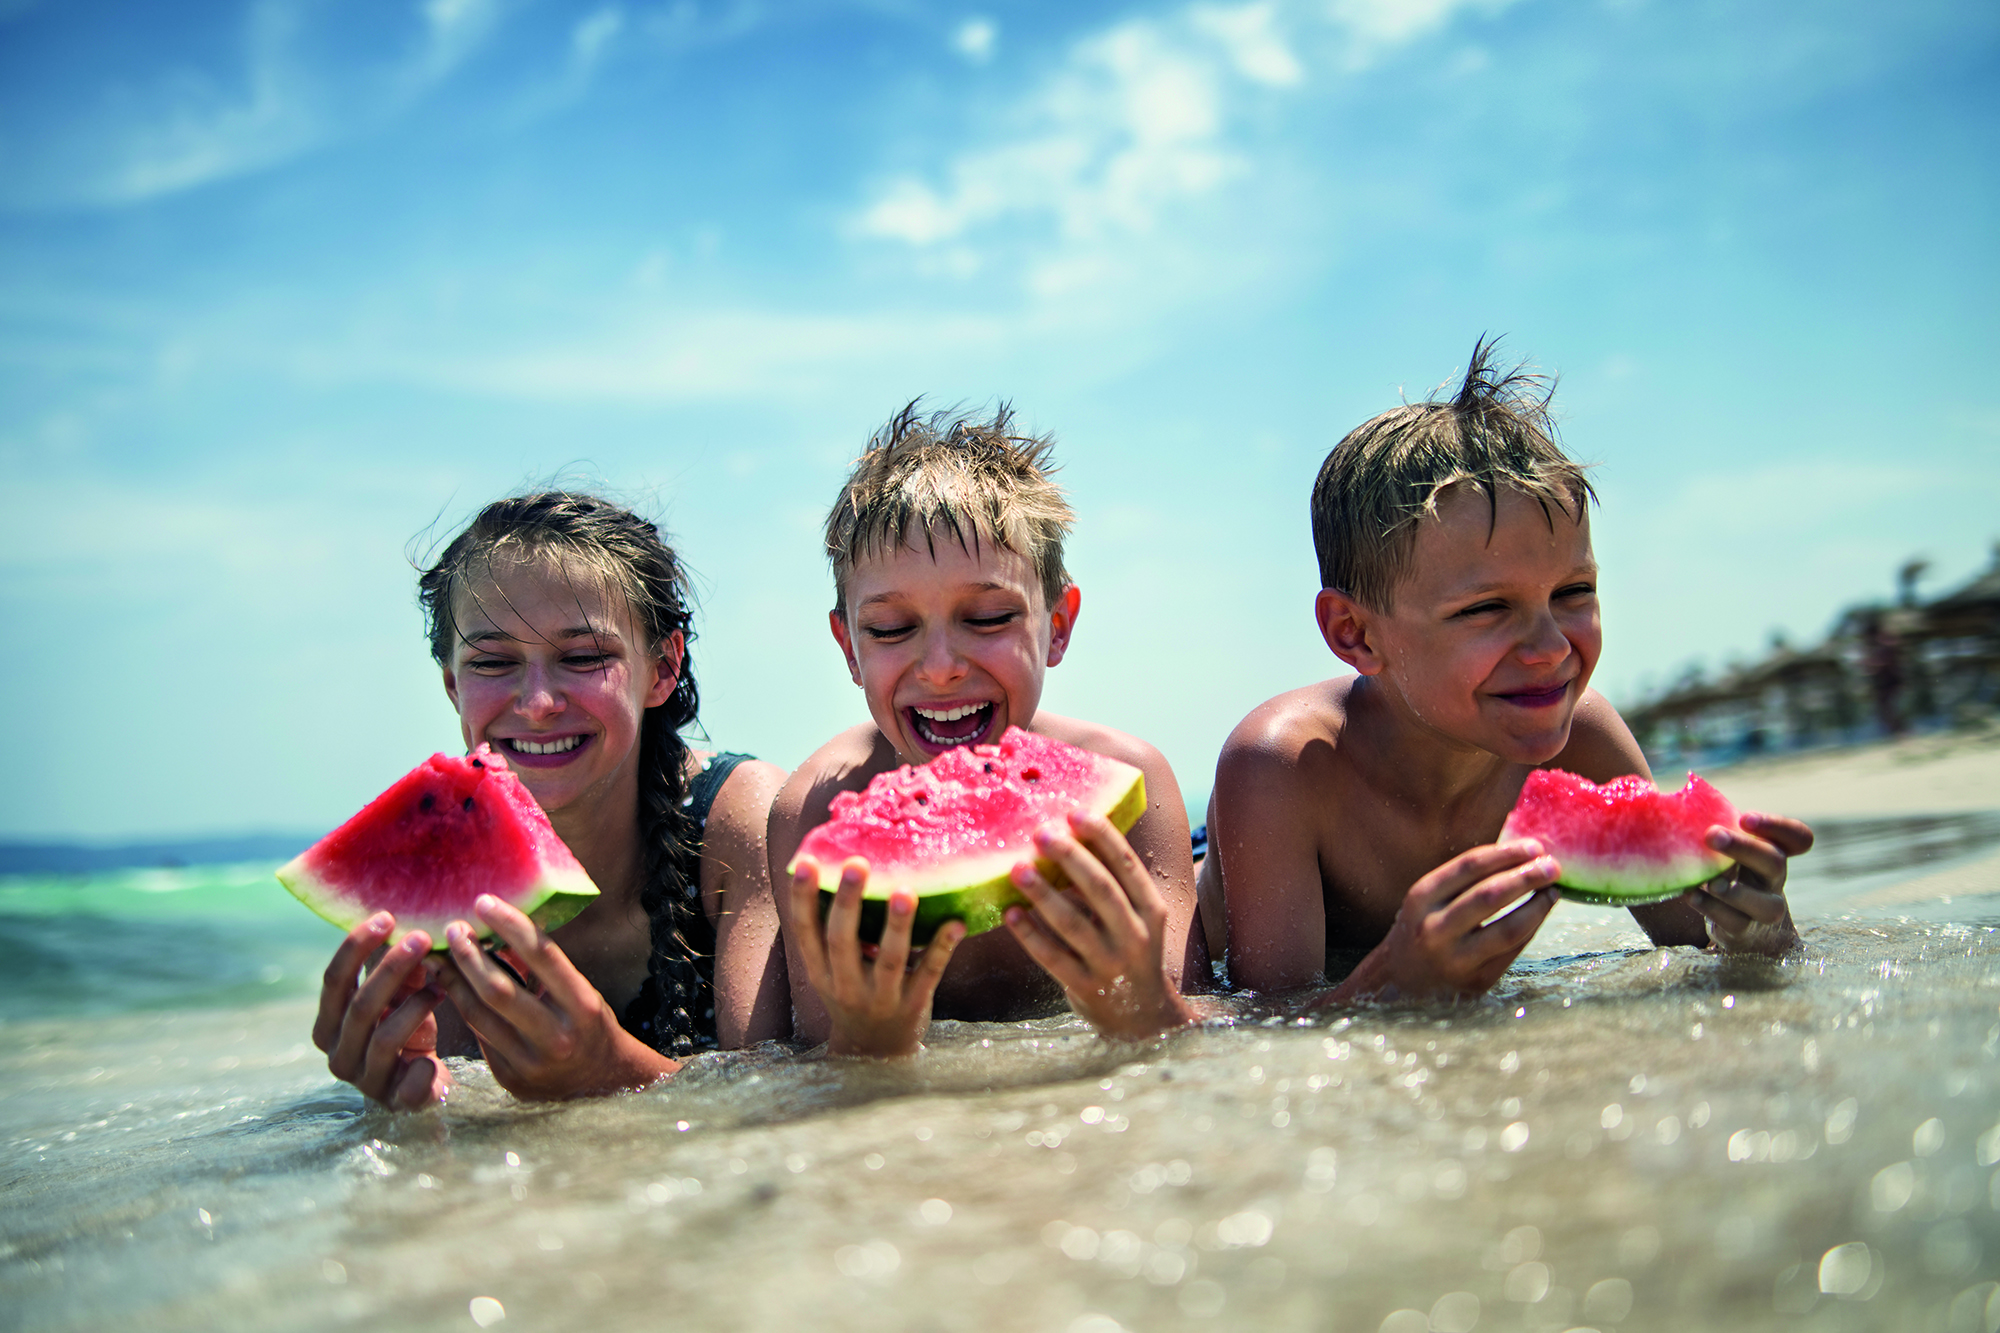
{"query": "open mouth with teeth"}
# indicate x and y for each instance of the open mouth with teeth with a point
(550, 753)
(939, 729)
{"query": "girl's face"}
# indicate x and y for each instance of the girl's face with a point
(550, 671)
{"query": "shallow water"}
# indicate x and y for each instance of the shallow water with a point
(1621, 1138)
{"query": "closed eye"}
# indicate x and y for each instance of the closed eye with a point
(886, 633)
(993, 622)
(1578, 590)
(1486, 607)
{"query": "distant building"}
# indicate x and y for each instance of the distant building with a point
(1883, 670)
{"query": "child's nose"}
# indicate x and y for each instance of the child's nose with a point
(941, 664)
(1544, 641)
(539, 696)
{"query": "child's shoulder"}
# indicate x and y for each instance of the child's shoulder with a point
(844, 763)
(1601, 747)
(1297, 729)
(1100, 739)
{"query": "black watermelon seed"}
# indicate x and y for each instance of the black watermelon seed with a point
(429, 799)
(479, 763)
(468, 805)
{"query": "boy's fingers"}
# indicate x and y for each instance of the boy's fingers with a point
(1756, 903)
(1511, 933)
(1142, 898)
(1466, 912)
(805, 923)
(343, 976)
(1046, 949)
(1724, 921)
(930, 968)
(893, 950)
(1794, 837)
(1752, 853)
(1059, 917)
(1099, 892)
(843, 930)
(1468, 868)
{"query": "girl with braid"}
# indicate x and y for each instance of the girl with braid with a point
(561, 624)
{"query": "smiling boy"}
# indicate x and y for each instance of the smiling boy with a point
(951, 603)
(1355, 818)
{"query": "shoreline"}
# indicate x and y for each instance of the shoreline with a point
(1952, 772)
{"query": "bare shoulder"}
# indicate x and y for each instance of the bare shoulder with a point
(743, 807)
(844, 763)
(1101, 739)
(1601, 747)
(1287, 739)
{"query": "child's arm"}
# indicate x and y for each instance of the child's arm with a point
(1105, 940)
(1262, 841)
(752, 999)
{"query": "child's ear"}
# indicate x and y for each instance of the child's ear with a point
(1344, 624)
(667, 668)
(845, 638)
(451, 688)
(1062, 622)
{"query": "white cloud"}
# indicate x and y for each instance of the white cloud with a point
(974, 39)
(191, 127)
(1250, 36)
(594, 33)
(1139, 127)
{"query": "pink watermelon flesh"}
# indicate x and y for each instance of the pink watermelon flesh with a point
(951, 830)
(449, 830)
(1625, 843)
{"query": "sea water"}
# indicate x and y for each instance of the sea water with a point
(1618, 1138)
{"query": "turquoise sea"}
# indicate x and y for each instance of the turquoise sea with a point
(1620, 1138)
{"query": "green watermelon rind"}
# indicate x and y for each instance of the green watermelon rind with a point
(944, 895)
(551, 901)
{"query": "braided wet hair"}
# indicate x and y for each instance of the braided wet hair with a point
(590, 536)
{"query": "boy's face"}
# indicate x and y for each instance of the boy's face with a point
(950, 647)
(1492, 639)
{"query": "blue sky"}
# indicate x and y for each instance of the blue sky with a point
(284, 284)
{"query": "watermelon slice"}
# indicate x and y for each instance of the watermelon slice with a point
(449, 830)
(1625, 843)
(950, 831)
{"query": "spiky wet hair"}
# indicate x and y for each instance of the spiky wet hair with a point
(1495, 432)
(948, 474)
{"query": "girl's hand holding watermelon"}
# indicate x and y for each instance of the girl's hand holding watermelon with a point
(881, 1005)
(381, 1034)
(552, 1037)
(1745, 908)
(1103, 938)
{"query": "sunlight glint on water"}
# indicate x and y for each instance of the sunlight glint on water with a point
(1621, 1138)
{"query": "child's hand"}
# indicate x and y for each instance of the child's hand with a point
(1103, 941)
(381, 1034)
(1443, 943)
(553, 1036)
(878, 1008)
(1745, 907)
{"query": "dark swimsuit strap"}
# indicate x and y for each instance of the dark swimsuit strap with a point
(690, 1025)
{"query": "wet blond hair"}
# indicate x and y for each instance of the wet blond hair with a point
(1495, 432)
(947, 474)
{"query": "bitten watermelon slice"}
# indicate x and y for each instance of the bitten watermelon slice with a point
(1625, 843)
(449, 830)
(950, 831)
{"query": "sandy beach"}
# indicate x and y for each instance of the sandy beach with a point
(1955, 772)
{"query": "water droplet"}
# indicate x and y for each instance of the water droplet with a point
(486, 1312)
